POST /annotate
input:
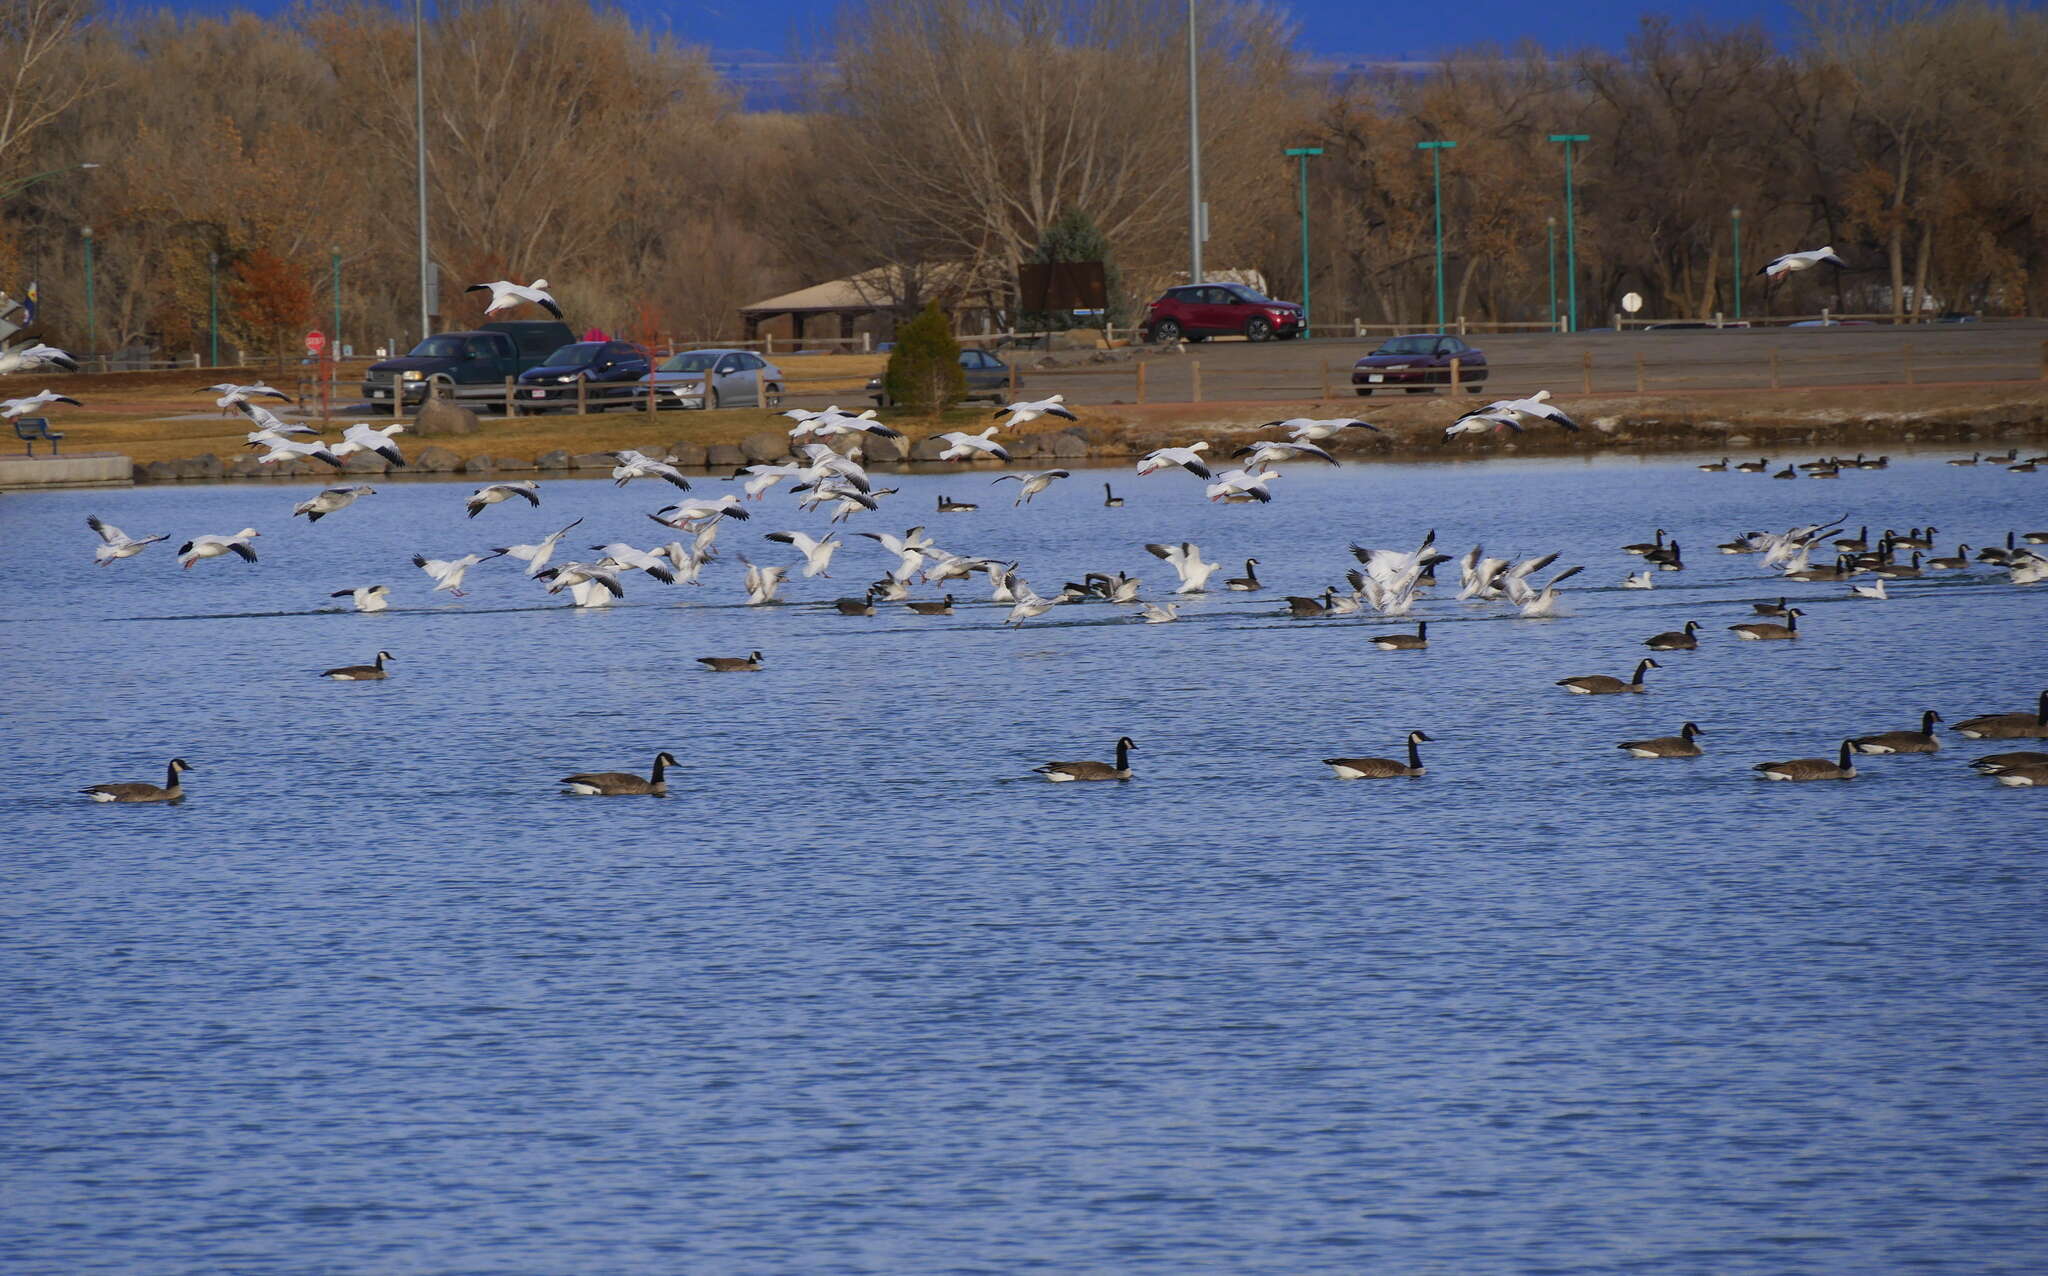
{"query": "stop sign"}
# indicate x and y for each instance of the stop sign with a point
(316, 341)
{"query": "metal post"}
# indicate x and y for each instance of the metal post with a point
(1571, 232)
(1301, 154)
(1436, 150)
(1735, 236)
(213, 310)
(334, 336)
(1194, 154)
(419, 116)
(92, 325)
(1550, 234)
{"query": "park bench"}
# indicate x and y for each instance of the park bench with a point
(31, 428)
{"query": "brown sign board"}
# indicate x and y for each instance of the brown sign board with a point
(1061, 285)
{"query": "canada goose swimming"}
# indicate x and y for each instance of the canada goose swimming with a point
(1973, 459)
(1870, 591)
(1639, 580)
(1305, 608)
(1893, 571)
(1059, 772)
(2035, 538)
(1961, 561)
(1882, 462)
(1992, 763)
(2022, 777)
(1416, 641)
(1854, 544)
(947, 506)
(944, 607)
(1841, 569)
(1787, 473)
(1916, 539)
(857, 606)
(1645, 547)
(621, 783)
(1675, 639)
(1770, 609)
(1110, 500)
(136, 791)
(750, 663)
(1810, 768)
(2024, 467)
(1669, 559)
(1681, 745)
(2007, 726)
(1754, 467)
(1599, 684)
(1714, 466)
(1380, 768)
(1766, 631)
(1921, 741)
(1249, 581)
(366, 598)
(361, 673)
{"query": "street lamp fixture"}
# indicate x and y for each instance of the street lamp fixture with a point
(1550, 238)
(213, 310)
(1735, 235)
(1197, 231)
(1436, 151)
(1301, 154)
(1571, 235)
(43, 176)
(92, 326)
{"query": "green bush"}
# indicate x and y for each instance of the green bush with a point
(924, 369)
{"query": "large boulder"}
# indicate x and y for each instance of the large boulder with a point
(881, 449)
(592, 461)
(1030, 447)
(157, 471)
(364, 463)
(724, 456)
(435, 460)
(200, 467)
(439, 416)
(555, 460)
(247, 466)
(1076, 339)
(691, 456)
(765, 448)
(1066, 447)
(927, 449)
(485, 464)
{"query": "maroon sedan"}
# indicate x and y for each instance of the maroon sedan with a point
(1417, 363)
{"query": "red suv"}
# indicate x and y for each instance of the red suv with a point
(1196, 311)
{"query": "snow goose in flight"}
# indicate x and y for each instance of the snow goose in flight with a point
(270, 427)
(761, 582)
(1031, 410)
(491, 493)
(293, 450)
(1544, 601)
(1512, 412)
(1030, 485)
(762, 477)
(1154, 614)
(961, 446)
(1186, 561)
(366, 598)
(361, 437)
(1266, 452)
(623, 557)
(447, 573)
(203, 547)
(833, 423)
(1792, 263)
(1310, 430)
(564, 575)
(231, 394)
(850, 498)
(636, 465)
(1515, 580)
(12, 408)
(909, 549)
(35, 358)
(821, 462)
(687, 514)
(535, 556)
(505, 295)
(945, 566)
(1187, 458)
(817, 553)
(115, 543)
(1242, 484)
(1029, 605)
(331, 500)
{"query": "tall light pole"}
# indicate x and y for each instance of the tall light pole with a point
(1436, 163)
(26, 182)
(213, 310)
(1571, 232)
(1195, 227)
(1301, 154)
(1550, 235)
(419, 125)
(92, 323)
(334, 337)
(1735, 234)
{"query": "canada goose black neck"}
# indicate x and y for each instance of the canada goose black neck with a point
(1123, 753)
(1689, 730)
(1415, 739)
(1642, 667)
(171, 782)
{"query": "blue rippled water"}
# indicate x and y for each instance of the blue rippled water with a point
(864, 995)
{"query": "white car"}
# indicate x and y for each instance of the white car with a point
(739, 378)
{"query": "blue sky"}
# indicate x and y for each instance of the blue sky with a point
(1330, 28)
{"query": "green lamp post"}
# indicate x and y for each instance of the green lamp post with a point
(1571, 236)
(1735, 236)
(1301, 154)
(1436, 151)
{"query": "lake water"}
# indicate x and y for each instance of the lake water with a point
(865, 995)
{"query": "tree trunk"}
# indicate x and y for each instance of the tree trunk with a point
(1895, 238)
(1922, 257)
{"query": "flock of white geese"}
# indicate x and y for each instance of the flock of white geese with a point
(824, 473)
